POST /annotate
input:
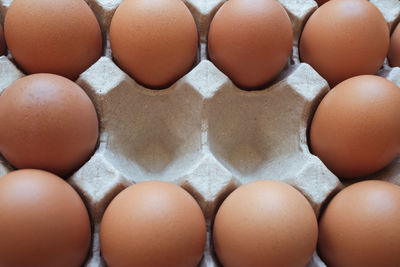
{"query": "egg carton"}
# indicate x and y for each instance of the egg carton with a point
(203, 133)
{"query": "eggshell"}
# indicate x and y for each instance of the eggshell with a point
(345, 38)
(47, 122)
(43, 221)
(61, 37)
(394, 50)
(153, 224)
(250, 41)
(154, 41)
(360, 226)
(251, 134)
(265, 223)
(2, 42)
(355, 130)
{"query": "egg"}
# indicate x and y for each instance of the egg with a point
(360, 226)
(154, 41)
(2, 42)
(250, 41)
(43, 221)
(355, 130)
(61, 37)
(47, 122)
(345, 38)
(265, 223)
(153, 224)
(394, 50)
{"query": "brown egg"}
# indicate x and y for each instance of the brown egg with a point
(394, 50)
(154, 41)
(47, 122)
(153, 224)
(356, 128)
(61, 37)
(250, 41)
(345, 38)
(360, 226)
(265, 223)
(43, 221)
(2, 42)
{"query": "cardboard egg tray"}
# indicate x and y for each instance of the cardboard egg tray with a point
(203, 133)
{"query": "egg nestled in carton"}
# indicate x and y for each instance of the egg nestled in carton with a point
(203, 133)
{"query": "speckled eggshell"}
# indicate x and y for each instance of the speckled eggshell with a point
(345, 38)
(360, 226)
(153, 224)
(394, 50)
(265, 223)
(61, 37)
(154, 41)
(356, 128)
(250, 41)
(47, 122)
(43, 221)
